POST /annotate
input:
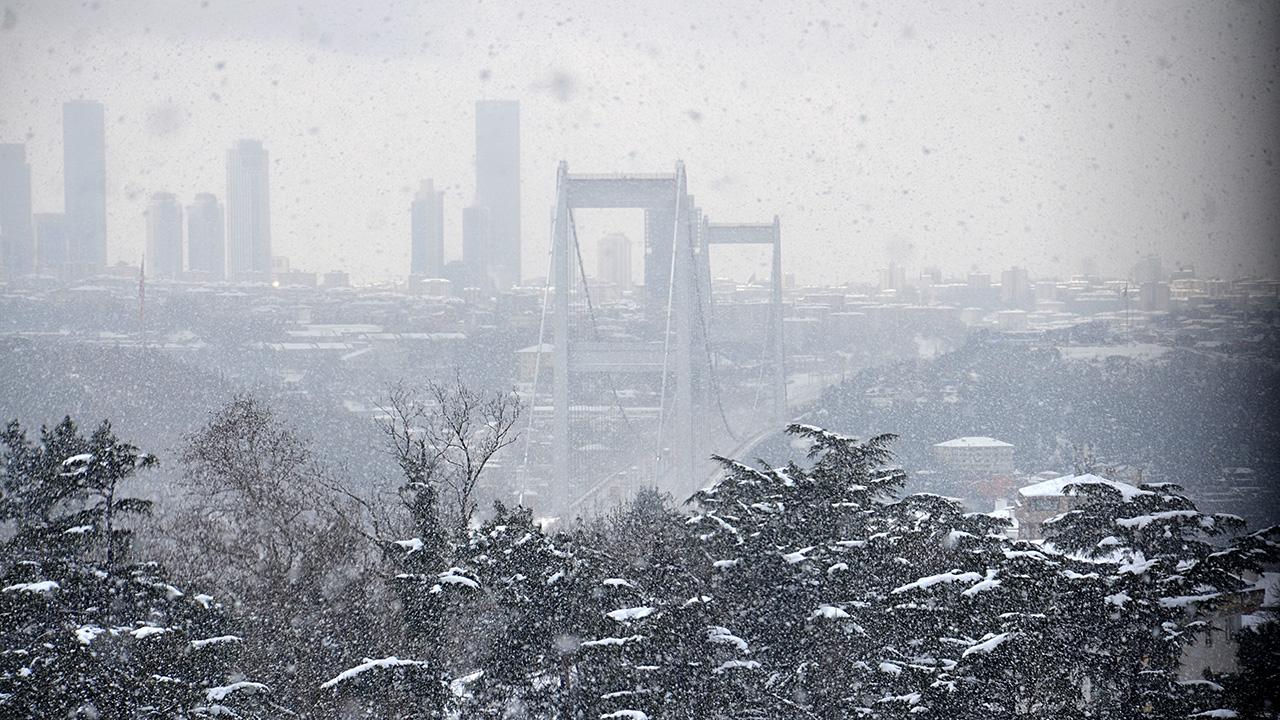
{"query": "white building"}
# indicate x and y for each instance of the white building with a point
(975, 457)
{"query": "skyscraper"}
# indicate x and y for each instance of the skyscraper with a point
(426, 216)
(84, 163)
(17, 242)
(477, 246)
(164, 235)
(248, 212)
(613, 260)
(498, 185)
(206, 237)
(52, 251)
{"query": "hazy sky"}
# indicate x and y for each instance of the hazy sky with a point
(950, 133)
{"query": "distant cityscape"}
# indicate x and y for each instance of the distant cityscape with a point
(641, 366)
(233, 243)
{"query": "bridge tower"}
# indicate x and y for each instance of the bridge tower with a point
(677, 302)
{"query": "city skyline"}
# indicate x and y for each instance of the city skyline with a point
(1056, 145)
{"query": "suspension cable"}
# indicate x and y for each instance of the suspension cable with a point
(595, 329)
(706, 346)
(666, 338)
(537, 362)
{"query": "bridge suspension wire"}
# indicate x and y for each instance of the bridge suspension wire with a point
(666, 340)
(595, 328)
(537, 365)
(706, 346)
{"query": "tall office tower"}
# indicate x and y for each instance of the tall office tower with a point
(206, 237)
(52, 251)
(248, 212)
(1015, 288)
(84, 166)
(164, 235)
(17, 242)
(498, 185)
(426, 221)
(477, 246)
(613, 260)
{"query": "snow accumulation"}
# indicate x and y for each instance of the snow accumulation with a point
(78, 530)
(147, 631)
(976, 441)
(78, 459)
(1118, 599)
(1141, 521)
(617, 582)
(737, 665)
(218, 694)
(85, 634)
(988, 643)
(1057, 487)
(987, 583)
(890, 668)
(1138, 566)
(624, 715)
(930, 581)
(411, 545)
(458, 686)
(829, 612)
(797, 556)
(387, 662)
(602, 642)
(452, 576)
(219, 640)
(1222, 713)
(909, 698)
(1187, 600)
(43, 587)
(723, 636)
(629, 614)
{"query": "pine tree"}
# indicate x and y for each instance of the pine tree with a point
(86, 629)
(1168, 567)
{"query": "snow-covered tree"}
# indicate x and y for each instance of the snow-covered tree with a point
(86, 629)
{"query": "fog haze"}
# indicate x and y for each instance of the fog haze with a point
(929, 134)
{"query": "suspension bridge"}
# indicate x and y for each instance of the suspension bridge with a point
(642, 396)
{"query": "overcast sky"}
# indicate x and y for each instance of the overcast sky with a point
(965, 135)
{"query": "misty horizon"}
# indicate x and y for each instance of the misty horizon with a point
(927, 136)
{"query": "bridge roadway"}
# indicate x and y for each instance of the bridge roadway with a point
(802, 392)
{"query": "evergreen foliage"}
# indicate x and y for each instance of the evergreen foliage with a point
(86, 630)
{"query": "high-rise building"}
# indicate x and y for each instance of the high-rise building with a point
(248, 212)
(17, 242)
(1148, 270)
(1015, 288)
(477, 245)
(164, 235)
(84, 164)
(52, 241)
(893, 277)
(498, 186)
(426, 222)
(206, 237)
(613, 260)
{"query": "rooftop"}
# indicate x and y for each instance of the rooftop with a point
(977, 441)
(1057, 487)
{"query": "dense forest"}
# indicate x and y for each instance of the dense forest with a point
(269, 588)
